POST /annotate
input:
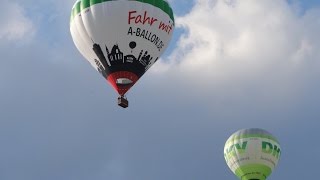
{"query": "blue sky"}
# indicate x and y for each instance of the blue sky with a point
(231, 65)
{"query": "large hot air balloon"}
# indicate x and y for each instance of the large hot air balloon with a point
(121, 39)
(252, 154)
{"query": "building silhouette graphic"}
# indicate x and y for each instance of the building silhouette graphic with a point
(98, 51)
(115, 56)
(145, 60)
(102, 63)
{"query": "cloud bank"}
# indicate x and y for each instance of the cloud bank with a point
(263, 49)
(14, 23)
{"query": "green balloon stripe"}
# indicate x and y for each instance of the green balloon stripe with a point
(83, 4)
(251, 136)
(253, 171)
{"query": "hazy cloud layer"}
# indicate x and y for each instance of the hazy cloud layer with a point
(14, 23)
(262, 48)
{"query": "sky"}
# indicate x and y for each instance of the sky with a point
(231, 64)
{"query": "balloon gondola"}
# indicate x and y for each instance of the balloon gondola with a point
(121, 39)
(123, 102)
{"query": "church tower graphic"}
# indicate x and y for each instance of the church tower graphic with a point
(145, 60)
(115, 56)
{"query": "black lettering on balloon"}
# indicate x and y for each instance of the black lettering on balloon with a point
(145, 34)
(130, 32)
(138, 32)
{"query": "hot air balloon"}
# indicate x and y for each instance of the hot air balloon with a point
(252, 154)
(121, 39)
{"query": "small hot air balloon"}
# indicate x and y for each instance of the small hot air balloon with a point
(252, 154)
(121, 39)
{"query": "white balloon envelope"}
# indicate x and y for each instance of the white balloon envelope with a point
(121, 39)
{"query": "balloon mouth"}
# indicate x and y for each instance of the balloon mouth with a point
(122, 81)
(255, 177)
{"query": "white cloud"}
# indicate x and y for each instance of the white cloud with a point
(14, 25)
(241, 45)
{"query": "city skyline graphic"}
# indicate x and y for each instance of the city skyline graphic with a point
(115, 60)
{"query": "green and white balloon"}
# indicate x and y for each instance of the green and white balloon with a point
(252, 154)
